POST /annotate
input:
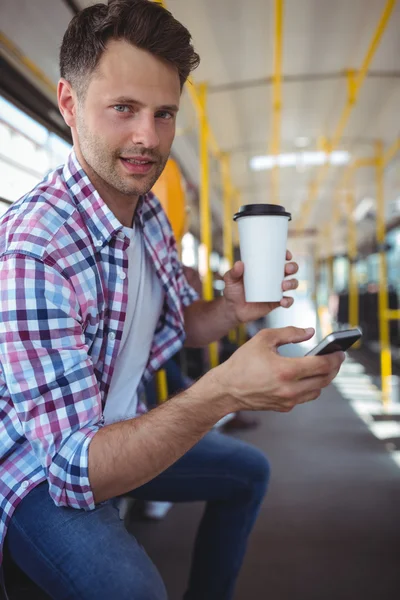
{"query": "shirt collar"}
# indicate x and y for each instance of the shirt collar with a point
(99, 219)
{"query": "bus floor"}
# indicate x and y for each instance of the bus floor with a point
(329, 528)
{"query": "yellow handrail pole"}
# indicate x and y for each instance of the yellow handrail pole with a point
(355, 82)
(391, 152)
(192, 90)
(233, 335)
(205, 216)
(205, 213)
(236, 198)
(277, 96)
(384, 334)
(228, 216)
(352, 256)
(239, 336)
(393, 313)
(161, 386)
(228, 221)
(241, 329)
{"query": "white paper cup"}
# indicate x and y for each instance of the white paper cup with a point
(263, 230)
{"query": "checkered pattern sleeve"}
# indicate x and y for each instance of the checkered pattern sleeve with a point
(49, 373)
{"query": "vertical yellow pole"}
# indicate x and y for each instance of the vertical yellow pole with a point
(161, 386)
(205, 219)
(236, 205)
(384, 334)
(352, 256)
(277, 97)
(228, 221)
(228, 216)
(233, 335)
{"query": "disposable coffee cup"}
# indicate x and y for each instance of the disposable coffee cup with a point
(263, 231)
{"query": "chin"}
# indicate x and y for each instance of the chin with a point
(137, 190)
(143, 187)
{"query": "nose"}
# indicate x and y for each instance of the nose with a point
(144, 131)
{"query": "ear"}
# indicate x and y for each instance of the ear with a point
(67, 102)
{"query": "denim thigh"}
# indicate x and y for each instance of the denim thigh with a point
(80, 555)
(219, 467)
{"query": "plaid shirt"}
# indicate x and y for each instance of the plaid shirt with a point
(63, 290)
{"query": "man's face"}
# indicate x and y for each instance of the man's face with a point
(125, 125)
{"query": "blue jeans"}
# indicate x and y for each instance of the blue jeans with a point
(89, 555)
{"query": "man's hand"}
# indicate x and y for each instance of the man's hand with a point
(244, 311)
(256, 377)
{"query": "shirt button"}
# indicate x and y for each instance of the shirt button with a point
(122, 275)
(120, 235)
(111, 335)
(99, 243)
(25, 484)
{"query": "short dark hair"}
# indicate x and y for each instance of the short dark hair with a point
(142, 23)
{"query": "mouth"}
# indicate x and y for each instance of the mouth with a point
(139, 165)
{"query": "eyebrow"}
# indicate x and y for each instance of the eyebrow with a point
(126, 100)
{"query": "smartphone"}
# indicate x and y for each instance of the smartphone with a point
(338, 340)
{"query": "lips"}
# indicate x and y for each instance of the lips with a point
(137, 165)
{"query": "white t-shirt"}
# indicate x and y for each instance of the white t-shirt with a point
(145, 301)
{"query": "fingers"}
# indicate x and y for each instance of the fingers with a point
(235, 273)
(289, 255)
(304, 387)
(291, 400)
(290, 284)
(288, 335)
(317, 366)
(286, 302)
(305, 390)
(291, 268)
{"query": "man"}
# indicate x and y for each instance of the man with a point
(93, 301)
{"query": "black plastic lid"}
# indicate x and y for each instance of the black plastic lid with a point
(251, 210)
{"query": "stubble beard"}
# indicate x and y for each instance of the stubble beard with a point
(105, 163)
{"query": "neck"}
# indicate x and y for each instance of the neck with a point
(121, 205)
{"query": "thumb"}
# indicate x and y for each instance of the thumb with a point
(291, 335)
(235, 273)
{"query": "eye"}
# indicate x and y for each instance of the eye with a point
(121, 108)
(165, 115)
